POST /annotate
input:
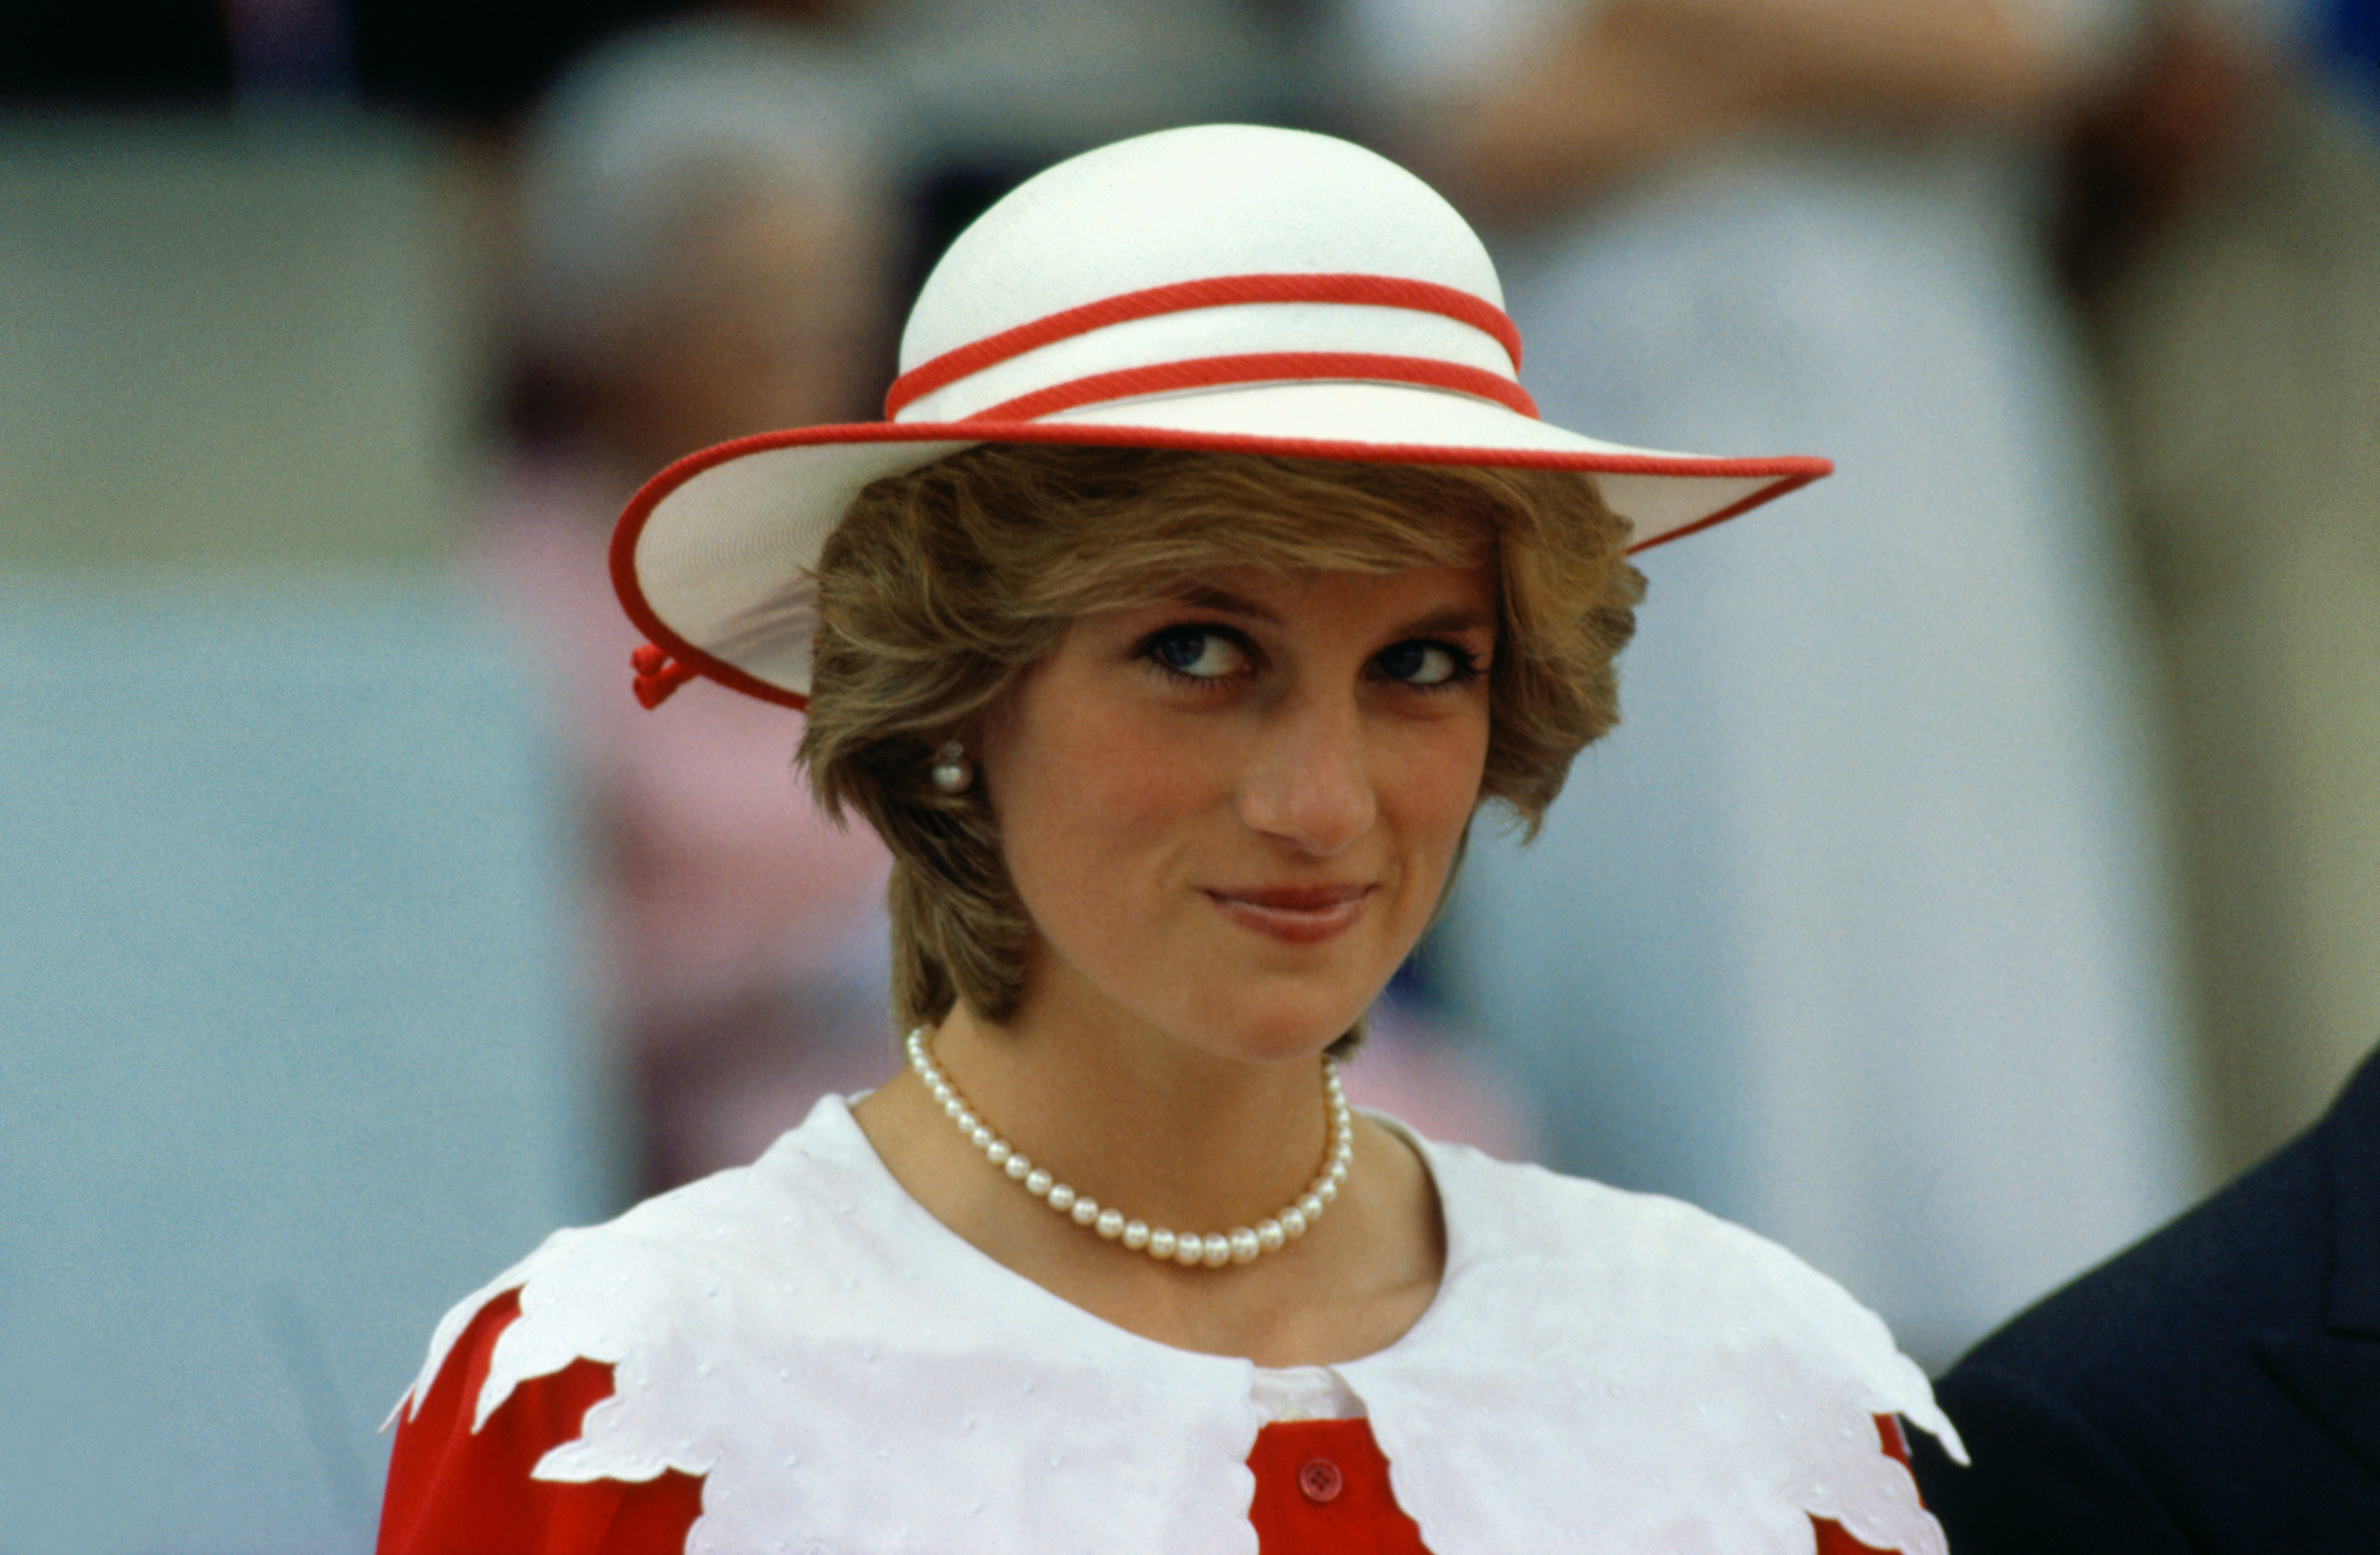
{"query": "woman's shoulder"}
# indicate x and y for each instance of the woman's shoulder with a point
(1669, 1271)
(806, 1340)
(1691, 1362)
(599, 1291)
(1508, 1211)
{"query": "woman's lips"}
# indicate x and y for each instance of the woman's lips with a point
(1295, 915)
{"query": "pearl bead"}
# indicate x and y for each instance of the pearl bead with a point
(1136, 1235)
(1271, 1235)
(1327, 1191)
(997, 1152)
(1292, 1223)
(1038, 1181)
(954, 1107)
(1244, 1246)
(968, 1122)
(1310, 1206)
(1161, 1244)
(1018, 1167)
(1061, 1198)
(1190, 1251)
(1086, 1211)
(1110, 1224)
(982, 1136)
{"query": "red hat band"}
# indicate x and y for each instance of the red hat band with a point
(1339, 311)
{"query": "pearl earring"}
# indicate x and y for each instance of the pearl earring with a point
(953, 771)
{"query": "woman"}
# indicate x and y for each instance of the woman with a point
(1209, 576)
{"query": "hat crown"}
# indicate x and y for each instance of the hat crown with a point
(1186, 205)
(1204, 204)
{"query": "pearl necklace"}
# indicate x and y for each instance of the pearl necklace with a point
(1240, 1244)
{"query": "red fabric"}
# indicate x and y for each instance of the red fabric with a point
(1259, 366)
(1360, 1515)
(658, 677)
(1220, 291)
(1322, 1486)
(451, 1492)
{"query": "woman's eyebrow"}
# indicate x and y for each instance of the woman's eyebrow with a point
(1206, 596)
(1449, 622)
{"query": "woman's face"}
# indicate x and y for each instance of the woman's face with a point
(1230, 815)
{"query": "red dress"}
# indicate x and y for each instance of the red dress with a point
(1322, 1486)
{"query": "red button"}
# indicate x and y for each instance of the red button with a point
(1319, 1479)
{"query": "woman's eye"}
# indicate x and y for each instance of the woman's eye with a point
(1199, 652)
(1425, 663)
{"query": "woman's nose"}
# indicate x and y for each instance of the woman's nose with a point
(1308, 780)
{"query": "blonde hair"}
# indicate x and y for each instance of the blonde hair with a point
(942, 587)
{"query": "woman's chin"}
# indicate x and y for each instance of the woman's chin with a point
(1284, 1030)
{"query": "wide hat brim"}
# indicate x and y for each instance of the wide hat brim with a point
(712, 559)
(1221, 288)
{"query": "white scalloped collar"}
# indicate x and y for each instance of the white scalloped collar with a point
(1623, 1369)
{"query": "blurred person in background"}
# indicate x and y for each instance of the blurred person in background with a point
(707, 218)
(2222, 223)
(2216, 1388)
(1889, 974)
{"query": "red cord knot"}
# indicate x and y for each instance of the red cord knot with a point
(657, 676)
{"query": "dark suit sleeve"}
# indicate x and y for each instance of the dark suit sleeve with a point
(2044, 1481)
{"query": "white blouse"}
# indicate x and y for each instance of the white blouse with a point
(848, 1374)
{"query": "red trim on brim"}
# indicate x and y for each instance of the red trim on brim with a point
(1252, 368)
(1218, 291)
(1766, 495)
(1791, 473)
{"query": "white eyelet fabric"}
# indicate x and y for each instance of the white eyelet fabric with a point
(1611, 1371)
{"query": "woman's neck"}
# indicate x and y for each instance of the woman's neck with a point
(1179, 1139)
(1161, 1131)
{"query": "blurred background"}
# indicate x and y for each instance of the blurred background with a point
(1983, 873)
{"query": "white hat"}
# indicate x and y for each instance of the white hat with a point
(1227, 289)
